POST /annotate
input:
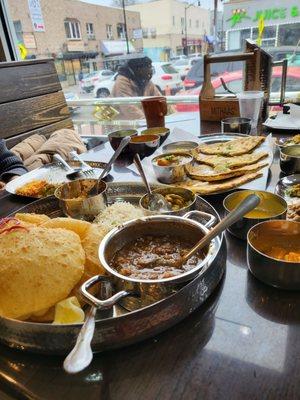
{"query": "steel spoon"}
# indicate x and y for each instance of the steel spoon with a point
(124, 142)
(235, 215)
(156, 201)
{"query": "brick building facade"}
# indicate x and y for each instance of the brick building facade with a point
(78, 35)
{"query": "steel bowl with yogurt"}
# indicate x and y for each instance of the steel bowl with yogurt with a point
(171, 167)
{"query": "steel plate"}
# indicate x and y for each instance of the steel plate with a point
(219, 137)
(51, 173)
(123, 328)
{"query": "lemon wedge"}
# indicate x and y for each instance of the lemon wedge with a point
(68, 311)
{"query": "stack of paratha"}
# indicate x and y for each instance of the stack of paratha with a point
(225, 166)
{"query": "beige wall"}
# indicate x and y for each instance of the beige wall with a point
(54, 39)
(159, 14)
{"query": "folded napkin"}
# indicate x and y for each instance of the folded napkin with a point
(29, 146)
(36, 151)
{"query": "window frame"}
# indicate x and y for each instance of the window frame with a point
(74, 30)
(90, 30)
(109, 31)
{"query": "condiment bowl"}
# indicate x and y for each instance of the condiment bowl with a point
(271, 206)
(273, 236)
(144, 145)
(162, 132)
(290, 159)
(116, 137)
(171, 173)
(147, 291)
(182, 145)
(188, 196)
(76, 203)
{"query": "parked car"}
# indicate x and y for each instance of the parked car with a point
(292, 53)
(234, 82)
(195, 76)
(89, 81)
(184, 66)
(179, 57)
(194, 55)
(104, 88)
(165, 78)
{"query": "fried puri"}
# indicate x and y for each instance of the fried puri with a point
(38, 268)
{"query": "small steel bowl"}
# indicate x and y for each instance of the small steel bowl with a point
(116, 137)
(278, 273)
(180, 146)
(162, 132)
(144, 145)
(290, 159)
(188, 195)
(74, 204)
(240, 228)
(171, 174)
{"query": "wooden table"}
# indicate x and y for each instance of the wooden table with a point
(243, 343)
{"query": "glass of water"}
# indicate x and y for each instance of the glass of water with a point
(250, 103)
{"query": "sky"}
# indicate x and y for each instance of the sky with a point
(204, 3)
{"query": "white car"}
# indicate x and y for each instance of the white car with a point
(165, 78)
(89, 81)
(184, 66)
(104, 88)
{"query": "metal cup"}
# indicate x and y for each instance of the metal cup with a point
(236, 125)
(76, 203)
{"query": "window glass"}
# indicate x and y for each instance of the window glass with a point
(168, 69)
(85, 37)
(234, 86)
(180, 63)
(289, 34)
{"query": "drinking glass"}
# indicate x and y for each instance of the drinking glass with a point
(250, 103)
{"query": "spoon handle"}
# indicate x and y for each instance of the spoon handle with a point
(246, 205)
(124, 142)
(76, 157)
(81, 355)
(58, 158)
(138, 164)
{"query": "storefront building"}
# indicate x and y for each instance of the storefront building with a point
(280, 21)
(170, 25)
(78, 35)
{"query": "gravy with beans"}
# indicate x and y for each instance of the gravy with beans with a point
(151, 257)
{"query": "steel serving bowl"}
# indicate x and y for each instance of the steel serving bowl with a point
(290, 159)
(274, 272)
(162, 132)
(172, 173)
(187, 194)
(147, 291)
(74, 202)
(268, 200)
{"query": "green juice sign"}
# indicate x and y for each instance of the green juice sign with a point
(269, 14)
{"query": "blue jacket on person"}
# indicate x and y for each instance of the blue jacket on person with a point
(10, 164)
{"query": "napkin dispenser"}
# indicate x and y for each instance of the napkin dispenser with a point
(257, 76)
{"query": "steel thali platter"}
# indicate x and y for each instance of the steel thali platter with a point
(123, 327)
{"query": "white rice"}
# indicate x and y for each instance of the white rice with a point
(117, 214)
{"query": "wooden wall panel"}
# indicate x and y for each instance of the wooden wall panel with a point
(22, 80)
